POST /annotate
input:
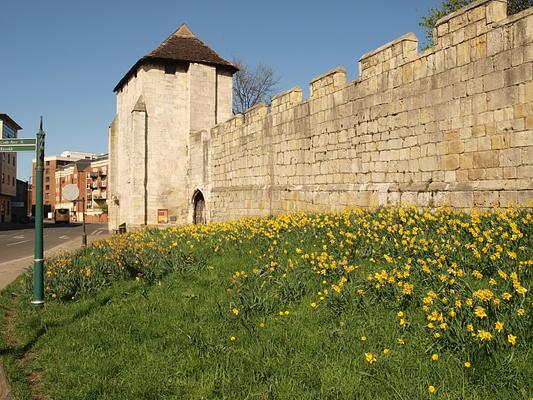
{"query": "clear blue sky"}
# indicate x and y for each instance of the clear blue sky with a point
(62, 59)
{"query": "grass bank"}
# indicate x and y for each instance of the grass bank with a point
(389, 303)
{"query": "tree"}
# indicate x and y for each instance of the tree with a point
(252, 86)
(429, 21)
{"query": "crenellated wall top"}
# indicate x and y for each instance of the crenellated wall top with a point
(467, 35)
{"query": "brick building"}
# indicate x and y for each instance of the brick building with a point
(91, 178)
(8, 169)
(51, 164)
(97, 207)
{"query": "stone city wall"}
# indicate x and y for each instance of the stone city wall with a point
(451, 126)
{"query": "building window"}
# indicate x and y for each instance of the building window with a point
(9, 132)
(8, 158)
(48, 163)
(170, 69)
(13, 179)
(47, 179)
(47, 187)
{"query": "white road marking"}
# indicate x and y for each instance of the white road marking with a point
(12, 244)
(18, 237)
(63, 237)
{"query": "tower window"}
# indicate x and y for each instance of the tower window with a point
(170, 69)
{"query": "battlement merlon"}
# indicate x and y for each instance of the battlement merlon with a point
(255, 113)
(286, 99)
(468, 22)
(389, 56)
(328, 82)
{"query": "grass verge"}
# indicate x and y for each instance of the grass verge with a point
(389, 303)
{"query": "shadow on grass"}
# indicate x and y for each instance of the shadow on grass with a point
(20, 352)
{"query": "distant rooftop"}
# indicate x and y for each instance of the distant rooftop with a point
(71, 156)
(8, 120)
(183, 46)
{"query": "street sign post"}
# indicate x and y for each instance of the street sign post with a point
(38, 267)
(37, 145)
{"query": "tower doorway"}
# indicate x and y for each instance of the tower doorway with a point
(199, 208)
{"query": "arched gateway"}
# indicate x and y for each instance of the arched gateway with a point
(198, 216)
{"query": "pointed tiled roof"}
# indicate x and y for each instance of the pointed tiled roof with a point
(183, 46)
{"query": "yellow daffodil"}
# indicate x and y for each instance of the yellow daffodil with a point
(370, 358)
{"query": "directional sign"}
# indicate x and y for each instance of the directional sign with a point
(9, 149)
(19, 144)
(17, 141)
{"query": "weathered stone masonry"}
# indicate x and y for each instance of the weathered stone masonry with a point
(452, 125)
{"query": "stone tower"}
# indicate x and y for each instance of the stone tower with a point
(171, 96)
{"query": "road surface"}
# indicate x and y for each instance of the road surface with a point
(16, 244)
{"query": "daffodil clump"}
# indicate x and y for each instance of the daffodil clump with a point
(459, 282)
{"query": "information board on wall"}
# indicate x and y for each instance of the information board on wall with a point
(162, 216)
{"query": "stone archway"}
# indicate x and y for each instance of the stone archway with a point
(198, 216)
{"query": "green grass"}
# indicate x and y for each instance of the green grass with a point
(169, 337)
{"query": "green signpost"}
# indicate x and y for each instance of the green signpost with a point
(38, 266)
(37, 145)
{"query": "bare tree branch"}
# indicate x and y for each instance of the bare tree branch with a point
(252, 86)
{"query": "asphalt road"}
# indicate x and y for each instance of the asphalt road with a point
(19, 243)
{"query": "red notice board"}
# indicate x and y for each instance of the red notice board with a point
(162, 216)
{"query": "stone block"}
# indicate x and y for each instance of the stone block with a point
(486, 159)
(499, 142)
(521, 139)
(525, 197)
(510, 157)
(524, 172)
(456, 147)
(462, 199)
(450, 162)
(428, 163)
(493, 81)
(486, 199)
(496, 11)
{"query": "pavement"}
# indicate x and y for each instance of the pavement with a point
(16, 247)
